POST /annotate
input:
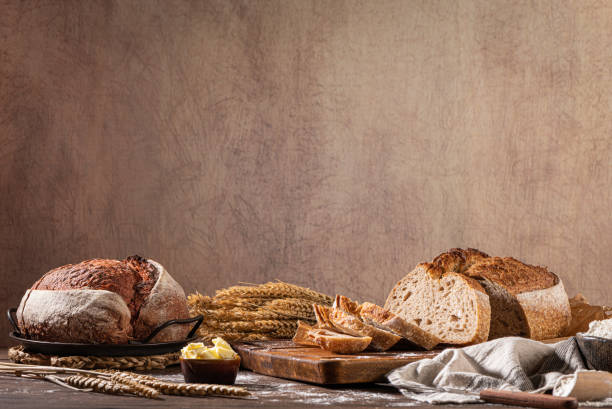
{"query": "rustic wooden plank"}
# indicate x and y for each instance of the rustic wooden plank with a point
(287, 360)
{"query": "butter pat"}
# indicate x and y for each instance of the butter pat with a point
(197, 350)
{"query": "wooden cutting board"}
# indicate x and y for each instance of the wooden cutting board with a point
(284, 359)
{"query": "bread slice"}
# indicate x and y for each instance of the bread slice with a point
(441, 300)
(346, 304)
(351, 324)
(385, 320)
(329, 340)
(322, 315)
(382, 318)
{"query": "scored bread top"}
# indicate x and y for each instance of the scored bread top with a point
(513, 275)
(456, 261)
(516, 276)
(132, 279)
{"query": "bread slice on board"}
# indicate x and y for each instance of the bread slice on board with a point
(322, 316)
(466, 297)
(383, 318)
(346, 304)
(329, 340)
(336, 319)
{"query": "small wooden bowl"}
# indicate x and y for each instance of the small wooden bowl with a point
(219, 371)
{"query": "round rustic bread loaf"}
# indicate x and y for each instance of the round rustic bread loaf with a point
(466, 297)
(104, 302)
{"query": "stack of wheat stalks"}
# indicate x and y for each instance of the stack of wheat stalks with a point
(255, 312)
(117, 382)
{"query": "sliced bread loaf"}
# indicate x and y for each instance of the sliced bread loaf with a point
(465, 297)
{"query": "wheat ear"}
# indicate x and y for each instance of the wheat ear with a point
(142, 389)
(273, 290)
(239, 314)
(106, 386)
(295, 307)
(185, 389)
(256, 326)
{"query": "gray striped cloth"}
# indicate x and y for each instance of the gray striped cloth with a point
(510, 363)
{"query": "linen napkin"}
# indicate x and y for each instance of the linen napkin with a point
(511, 363)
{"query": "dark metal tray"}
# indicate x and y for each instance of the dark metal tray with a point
(134, 348)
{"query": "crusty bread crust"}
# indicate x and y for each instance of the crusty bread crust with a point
(540, 294)
(375, 314)
(454, 260)
(484, 318)
(107, 288)
(81, 316)
(166, 302)
(516, 277)
(548, 311)
(304, 334)
(342, 344)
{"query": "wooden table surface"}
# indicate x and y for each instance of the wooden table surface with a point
(267, 392)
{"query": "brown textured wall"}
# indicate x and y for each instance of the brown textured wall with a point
(333, 144)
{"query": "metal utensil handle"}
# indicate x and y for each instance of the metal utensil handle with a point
(530, 400)
(9, 314)
(197, 319)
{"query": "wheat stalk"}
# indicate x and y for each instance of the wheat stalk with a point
(255, 312)
(281, 333)
(205, 303)
(239, 314)
(107, 386)
(253, 326)
(117, 382)
(273, 290)
(185, 389)
(142, 389)
(295, 291)
(244, 336)
(295, 307)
